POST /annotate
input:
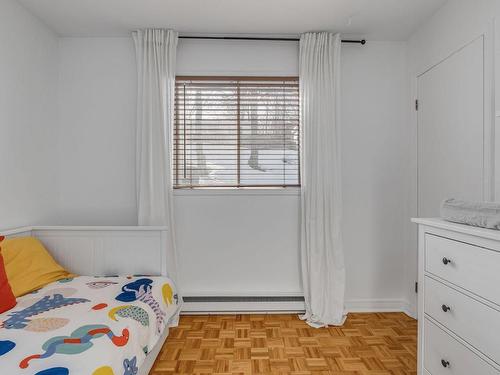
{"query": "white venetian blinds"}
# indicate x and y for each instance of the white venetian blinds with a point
(236, 132)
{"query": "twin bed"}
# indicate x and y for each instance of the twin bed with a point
(107, 324)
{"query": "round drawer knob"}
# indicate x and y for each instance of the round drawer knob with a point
(445, 363)
(446, 308)
(446, 261)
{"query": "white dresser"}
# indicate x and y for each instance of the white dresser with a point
(459, 299)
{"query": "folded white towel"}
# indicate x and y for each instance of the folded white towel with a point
(478, 214)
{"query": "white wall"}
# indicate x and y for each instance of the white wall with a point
(235, 57)
(243, 242)
(238, 243)
(457, 23)
(375, 173)
(28, 124)
(97, 109)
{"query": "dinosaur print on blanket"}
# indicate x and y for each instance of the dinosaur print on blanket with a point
(19, 319)
(128, 311)
(100, 284)
(79, 341)
(130, 366)
(140, 290)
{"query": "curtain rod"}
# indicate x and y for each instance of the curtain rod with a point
(362, 41)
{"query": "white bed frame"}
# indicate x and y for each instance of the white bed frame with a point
(106, 251)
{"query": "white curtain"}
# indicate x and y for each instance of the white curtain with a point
(156, 55)
(323, 272)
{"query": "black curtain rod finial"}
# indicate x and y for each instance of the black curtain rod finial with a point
(362, 41)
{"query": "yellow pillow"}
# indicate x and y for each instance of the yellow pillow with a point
(28, 265)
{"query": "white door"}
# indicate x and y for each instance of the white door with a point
(451, 130)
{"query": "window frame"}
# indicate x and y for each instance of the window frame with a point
(238, 185)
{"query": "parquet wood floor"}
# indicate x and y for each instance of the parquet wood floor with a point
(368, 344)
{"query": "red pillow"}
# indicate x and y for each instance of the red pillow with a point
(7, 299)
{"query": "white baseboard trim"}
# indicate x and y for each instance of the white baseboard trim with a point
(410, 310)
(352, 306)
(375, 305)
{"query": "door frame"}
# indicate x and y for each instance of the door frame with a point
(491, 159)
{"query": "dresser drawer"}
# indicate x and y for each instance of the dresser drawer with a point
(473, 321)
(470, 267)
(440, 347)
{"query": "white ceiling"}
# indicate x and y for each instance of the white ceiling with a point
(373, 19)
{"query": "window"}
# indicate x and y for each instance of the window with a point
(236, 132)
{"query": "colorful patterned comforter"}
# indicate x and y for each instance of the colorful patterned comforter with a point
(86, 326)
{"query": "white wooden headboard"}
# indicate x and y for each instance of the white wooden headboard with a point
(103, 251)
